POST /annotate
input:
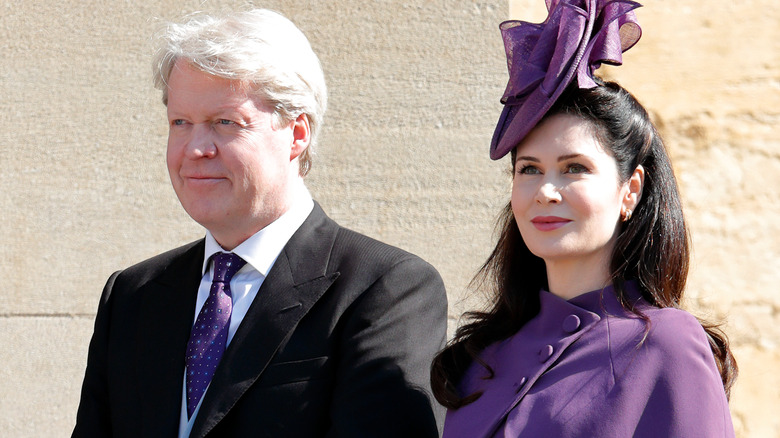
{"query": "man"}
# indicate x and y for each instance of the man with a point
(279, 322)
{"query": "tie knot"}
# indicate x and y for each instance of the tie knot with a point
(226, 264)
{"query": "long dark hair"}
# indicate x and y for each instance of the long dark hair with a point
(652, 248)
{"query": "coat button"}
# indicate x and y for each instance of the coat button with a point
(519, 385)
(545, 353)
(571, 324)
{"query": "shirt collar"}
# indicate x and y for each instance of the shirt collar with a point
(262, 248)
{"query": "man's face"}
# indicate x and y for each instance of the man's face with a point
(230, 166)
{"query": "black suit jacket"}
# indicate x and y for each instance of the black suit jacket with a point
(338, 342)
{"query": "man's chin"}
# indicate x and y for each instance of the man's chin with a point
(209, 217)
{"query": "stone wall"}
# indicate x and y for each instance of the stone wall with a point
(414, 90)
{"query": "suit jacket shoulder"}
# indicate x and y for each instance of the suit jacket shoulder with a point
(364, 258)
(171, 261)
(346, 251)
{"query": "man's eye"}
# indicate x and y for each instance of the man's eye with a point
(226, 122)
(177, 122)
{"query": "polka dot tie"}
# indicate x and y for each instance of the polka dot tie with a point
(209, 334)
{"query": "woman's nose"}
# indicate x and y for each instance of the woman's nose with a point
(548, 193)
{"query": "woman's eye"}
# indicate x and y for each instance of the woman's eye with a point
(528, 170)
(576, 168)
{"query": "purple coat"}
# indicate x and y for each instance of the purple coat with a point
(578, 370)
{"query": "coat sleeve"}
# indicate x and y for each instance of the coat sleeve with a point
(672, 386)
(93, 416)
(389, 337)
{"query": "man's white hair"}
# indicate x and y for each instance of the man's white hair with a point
(259, 48)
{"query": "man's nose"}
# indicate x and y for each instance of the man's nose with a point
(201, 142)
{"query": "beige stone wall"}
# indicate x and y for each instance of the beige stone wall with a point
(414, 89)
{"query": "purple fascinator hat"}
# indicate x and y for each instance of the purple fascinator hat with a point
(543, 59)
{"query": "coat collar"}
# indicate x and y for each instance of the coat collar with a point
(605, 302)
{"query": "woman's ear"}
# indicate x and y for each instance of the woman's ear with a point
(632, 197)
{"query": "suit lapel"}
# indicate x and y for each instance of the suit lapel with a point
(167, 309)
(287, 294)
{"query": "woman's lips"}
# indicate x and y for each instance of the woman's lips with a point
(549, 223)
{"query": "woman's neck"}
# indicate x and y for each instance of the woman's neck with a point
(568, 278)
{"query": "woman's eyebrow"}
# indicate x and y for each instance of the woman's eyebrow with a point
(536, 160)
(568, 157)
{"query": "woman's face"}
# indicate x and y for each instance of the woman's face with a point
(567, 197)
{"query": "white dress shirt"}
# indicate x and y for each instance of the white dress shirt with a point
(260, 252)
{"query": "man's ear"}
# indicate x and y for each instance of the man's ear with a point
(301, 136)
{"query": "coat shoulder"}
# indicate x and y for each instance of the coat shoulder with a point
(353, 251)
(672, 331)
(152, 267)
(656, 327)
(666, 337)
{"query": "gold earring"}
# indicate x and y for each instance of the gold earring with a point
(627, 215)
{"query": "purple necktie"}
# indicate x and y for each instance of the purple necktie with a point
(209, 334)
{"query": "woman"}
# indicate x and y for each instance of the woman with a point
(584, 335)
